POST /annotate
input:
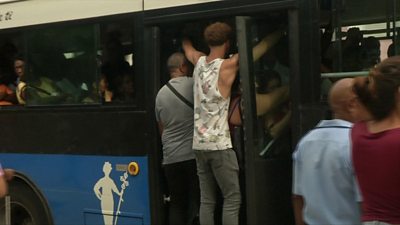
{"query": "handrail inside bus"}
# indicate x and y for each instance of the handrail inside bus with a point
(344, 74)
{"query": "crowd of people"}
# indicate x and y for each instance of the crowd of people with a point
(357, 52)
(204, 155)
(345, 169)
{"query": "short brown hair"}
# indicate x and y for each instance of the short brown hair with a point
(217, 33)
(378, 91)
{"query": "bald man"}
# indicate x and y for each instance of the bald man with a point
(175, 119)
(324, 186)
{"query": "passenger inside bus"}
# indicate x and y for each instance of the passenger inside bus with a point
(42, 90)
(7, 95)
(19, 65)
(271, 61)
(116, 70)
(351, 52)
(276, 119)
(272, 94)
(69, 81)
(104, 91)
(7, 75)
(390, 51)
(370, 53)
(274, 112)
(125, 91)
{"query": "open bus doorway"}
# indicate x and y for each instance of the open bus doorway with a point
(265, 160)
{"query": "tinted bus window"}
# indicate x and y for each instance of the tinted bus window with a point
(78, 65)
(355, 37)
(61, 66)
(117, 83)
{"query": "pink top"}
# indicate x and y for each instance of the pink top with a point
(376, 159)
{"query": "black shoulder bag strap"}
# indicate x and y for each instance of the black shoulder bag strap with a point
(344, 127)
(180, 96)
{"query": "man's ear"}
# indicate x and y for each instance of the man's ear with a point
(227, 45)
(352, 104)
(181, 69)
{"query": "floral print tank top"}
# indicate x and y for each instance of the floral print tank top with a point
(211, 130)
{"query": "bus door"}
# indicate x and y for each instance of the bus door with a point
(266, 119)
(158, 191)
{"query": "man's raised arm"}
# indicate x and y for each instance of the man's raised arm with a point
(190, 52)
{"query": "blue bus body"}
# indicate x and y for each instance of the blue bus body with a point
(67, 183)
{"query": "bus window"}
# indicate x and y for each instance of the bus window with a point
(272, 77)
(80, 65)
(117, 75)
(355, 36)
(61, 66)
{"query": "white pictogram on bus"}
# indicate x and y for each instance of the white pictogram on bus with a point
(104, 189)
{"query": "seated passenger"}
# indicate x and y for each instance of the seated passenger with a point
(69, 77)
(104, 91)
(19, 67)
(114, 65)
(125, 89)
(7, 95)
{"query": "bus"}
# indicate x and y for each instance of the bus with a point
(84, 124)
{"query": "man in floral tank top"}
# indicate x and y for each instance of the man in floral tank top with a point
(217, 164)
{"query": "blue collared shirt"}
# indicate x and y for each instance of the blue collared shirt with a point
(324, 177)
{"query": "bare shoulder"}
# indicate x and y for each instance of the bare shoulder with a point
(231, 63)
(229, 70)
(196, 57)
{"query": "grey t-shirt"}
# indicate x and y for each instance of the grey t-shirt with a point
(177, 118)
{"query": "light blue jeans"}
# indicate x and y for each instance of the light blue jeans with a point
(218, 169)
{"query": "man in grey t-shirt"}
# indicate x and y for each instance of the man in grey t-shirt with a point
(175, 120)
